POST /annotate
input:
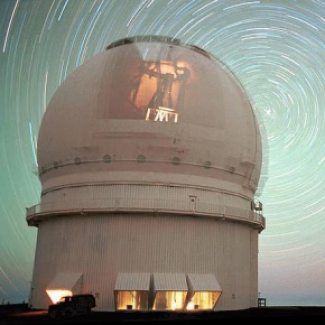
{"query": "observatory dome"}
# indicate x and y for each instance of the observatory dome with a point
(149, 156)
(151, 109)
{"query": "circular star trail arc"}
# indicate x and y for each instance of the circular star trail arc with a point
(275, 48)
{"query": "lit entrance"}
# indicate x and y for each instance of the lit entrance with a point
(204, 292)
(64, 285)
(132, 291)
(170, 290)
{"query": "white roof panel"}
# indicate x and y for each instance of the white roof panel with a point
(132, 281)
(66, 281)
(203, 282)
(169, 282)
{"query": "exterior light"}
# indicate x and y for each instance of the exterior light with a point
(56, 295)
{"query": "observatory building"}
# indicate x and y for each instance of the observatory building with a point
(149, 156)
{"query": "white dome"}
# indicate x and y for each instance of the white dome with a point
(151, 110)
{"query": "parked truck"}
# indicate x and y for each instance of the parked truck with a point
(73, 306)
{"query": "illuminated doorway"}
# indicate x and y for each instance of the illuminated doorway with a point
(204, 292)
(64, 285)
(132, 291)
(170, 290)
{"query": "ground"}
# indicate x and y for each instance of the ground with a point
(20, 314)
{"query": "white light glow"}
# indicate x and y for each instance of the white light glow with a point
(190, 305)
(56, 295)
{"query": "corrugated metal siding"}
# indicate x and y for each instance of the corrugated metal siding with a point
(203, 282)
(132, 281)
(159, 198)
(120, 191)
(254, 269)
(169, 282)
(101, 246)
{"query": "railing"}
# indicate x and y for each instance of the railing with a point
(109, 205)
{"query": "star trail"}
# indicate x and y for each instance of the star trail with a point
(276, 48)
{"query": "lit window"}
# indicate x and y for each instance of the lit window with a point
(132, 300)
(204, 292)
(203, 301)
(169, 300)
(64, 284)
(132, 291)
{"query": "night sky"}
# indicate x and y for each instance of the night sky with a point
(277, 50)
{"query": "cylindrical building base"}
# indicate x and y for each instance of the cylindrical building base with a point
(100, 246)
